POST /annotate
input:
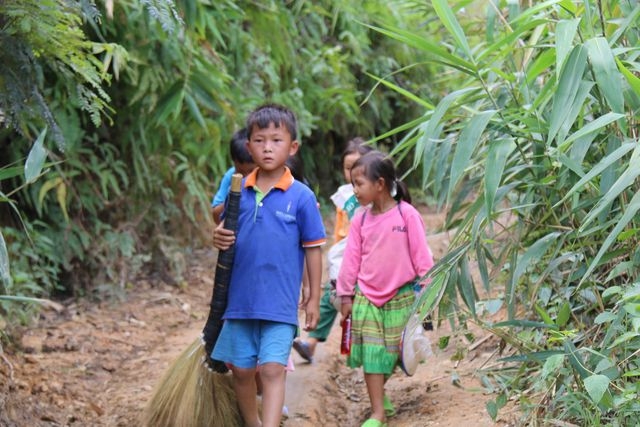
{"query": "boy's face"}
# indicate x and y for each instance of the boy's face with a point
(244, 168)
(271, 147)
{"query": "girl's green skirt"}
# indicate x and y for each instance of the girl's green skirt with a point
(376, 331)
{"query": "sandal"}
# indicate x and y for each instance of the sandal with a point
(389, 409)
(303, 350)
(372, 422)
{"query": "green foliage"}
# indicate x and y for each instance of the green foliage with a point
(33, 274)
(38, 38)
(534, 147)
(122, 195)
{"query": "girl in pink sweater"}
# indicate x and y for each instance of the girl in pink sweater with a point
(386, 254)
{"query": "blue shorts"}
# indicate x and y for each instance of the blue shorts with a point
(245, 343)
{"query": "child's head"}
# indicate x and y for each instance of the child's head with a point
(240, 156)
(356, 148)
(277, 115)
(374, 172)
(272, 135)
(294, 163)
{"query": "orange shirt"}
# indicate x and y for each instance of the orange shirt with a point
(341, 227)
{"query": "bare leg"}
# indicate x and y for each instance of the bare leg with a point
(273, 387)
(244, 384)
(375, 387)
(258, 384)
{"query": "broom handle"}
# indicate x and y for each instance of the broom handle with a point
(224, 265)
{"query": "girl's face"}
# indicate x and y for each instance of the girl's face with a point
(366, 191)
(347, 163)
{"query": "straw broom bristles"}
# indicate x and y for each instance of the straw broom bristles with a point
(191, 395)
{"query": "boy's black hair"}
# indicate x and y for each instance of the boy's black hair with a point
(277, 114)
(356, 145)
(238, 149)
(376, 165)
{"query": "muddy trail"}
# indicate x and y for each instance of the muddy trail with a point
(90, 364)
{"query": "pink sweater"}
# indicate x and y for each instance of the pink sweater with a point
(383, 253)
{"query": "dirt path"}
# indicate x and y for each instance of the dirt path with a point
(96, 365)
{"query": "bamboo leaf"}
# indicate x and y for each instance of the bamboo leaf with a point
(465, 286)
(591, 127)
(429, 151)
(417, 99)
(496, 160)
(536, 356)
(632, 79)
(607, 76)
(627, 179)
(431, 295)
(450, 22)
(46, 187)
(540, 66)
(631, 212)
(568, 5)
(439, 173)
(623, 25)
(535, 9)
(568, 85)
(426, 143)
(171, 102)
(61, 195)
(432, 48)
(598, 168)
(5, 273)
(583, 92)
(36, 158)
(467, 143)
(508, 40)
(532, 255)
(523, 323)
(482, 266)
(195, 110)
(10, 172)
(565, 34)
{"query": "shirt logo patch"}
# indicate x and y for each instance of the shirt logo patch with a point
(399, 228)
(285, 216)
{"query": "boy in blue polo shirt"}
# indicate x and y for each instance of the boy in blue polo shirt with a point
(279, 228)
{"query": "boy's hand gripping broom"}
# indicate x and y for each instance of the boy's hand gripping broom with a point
(191, 394)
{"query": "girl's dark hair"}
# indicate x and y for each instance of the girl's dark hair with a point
(294, 163)
(356, 145)
(238, 148)
(277, 114)
(375, 166)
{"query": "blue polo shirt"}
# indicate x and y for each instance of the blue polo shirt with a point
(269, 251)
(225, 186)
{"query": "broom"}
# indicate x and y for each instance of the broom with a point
(191, 394)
